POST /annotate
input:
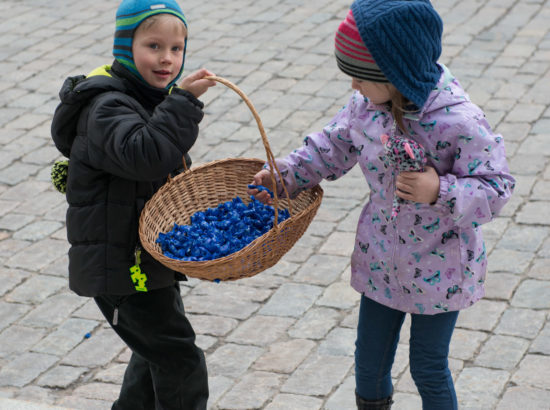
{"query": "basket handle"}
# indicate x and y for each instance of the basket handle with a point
(269, 153)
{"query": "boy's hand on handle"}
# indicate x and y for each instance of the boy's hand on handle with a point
(195, 82)
(422, 187)
(262, 178)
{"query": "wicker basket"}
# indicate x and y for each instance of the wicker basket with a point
(207, 186)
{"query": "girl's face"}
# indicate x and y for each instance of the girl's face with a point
(377, 93)
(158, 50)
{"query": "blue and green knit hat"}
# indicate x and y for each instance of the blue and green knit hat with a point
(129, 16)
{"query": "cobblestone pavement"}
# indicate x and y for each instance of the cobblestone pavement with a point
(283, 339)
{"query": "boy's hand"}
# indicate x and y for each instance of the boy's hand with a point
(262, 178)
(195, 82)
(422, 187)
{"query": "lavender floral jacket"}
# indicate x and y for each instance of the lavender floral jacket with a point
(431, 258)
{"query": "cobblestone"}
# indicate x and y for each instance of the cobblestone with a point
(283, 339)
(232, 360)
(532, 294)
(322, 269)
(318, 376)
(480, 387)
(315, 324)
(339, 342)
(501, 285)
(98, 350)
(261, 330)
(484, 315)
(524, 398)
(502, 352)
(465, 344)
(25, 368)
(534, 371)
(295, 402)
(18, 339)
(61, 376)
(291, 300)
(65, 337)
(284, 357)
(521, 322)
(241, 396)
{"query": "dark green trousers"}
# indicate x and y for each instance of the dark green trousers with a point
(167, 371)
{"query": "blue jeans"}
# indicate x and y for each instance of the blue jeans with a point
(377, 338)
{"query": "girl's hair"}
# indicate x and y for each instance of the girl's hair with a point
(400, 105)
(156, 18)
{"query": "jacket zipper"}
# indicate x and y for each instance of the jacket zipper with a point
(395, 239)
(394, 221)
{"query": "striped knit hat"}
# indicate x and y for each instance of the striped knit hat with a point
(129, 16)
(404, 38)
(352, 56)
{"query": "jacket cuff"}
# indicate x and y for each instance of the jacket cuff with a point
(442, 198)
(194, 100)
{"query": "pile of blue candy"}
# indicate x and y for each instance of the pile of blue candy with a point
(220, 231)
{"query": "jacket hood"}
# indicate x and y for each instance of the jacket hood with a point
(446, 93)
(75, 94)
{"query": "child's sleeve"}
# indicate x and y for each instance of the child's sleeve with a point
(125, 142)
(324, 155)
(479, 184)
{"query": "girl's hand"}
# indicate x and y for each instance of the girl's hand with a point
(262, 178)
(420, 187)
(196, 84)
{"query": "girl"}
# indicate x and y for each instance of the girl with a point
(419, 247)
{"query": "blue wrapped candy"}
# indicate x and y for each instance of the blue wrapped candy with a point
(261, 188)
(221, 231)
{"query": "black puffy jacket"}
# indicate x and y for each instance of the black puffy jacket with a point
(123, 138)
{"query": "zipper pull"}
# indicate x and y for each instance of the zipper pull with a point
(115, 316)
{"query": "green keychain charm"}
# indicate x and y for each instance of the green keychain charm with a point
(137, 276)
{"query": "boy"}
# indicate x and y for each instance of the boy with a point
(125, 128)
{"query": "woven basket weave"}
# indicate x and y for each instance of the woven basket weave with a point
(207, 186)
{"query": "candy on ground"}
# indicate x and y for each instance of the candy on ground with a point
(221, 231)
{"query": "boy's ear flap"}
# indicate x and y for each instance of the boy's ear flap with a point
(384, 138)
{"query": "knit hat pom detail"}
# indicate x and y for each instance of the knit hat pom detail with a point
(59, 175)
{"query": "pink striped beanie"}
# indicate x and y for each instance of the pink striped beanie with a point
(352, 56)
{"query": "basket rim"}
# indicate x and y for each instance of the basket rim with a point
(154, 248)
(218, 161)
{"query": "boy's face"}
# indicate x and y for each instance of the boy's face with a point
(158, 50)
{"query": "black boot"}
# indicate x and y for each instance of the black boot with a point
(382, 404)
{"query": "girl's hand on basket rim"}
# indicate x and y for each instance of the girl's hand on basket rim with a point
(262, 178)
(195, 82)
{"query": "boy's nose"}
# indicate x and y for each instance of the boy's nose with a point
(354, 84)
(166, 58)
